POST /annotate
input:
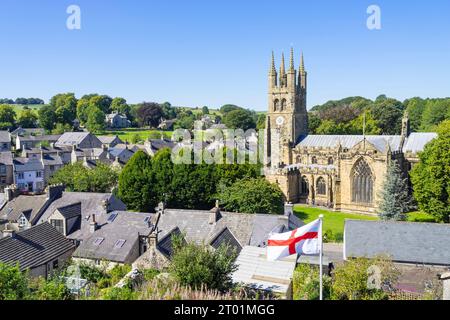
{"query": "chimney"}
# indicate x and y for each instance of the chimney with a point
(9, 194)
(215, 215)
(105, 205)
(55, 191)
(153, 239)
(105, 147)
(288, 209)
(9, 233)
(93, 226)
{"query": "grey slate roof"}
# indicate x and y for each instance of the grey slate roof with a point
(5, 137)
(76, 138)
(31, 205)
(28, 131)
(51, 160)
(50, 138)
(126, 226)
(71, 210)
(416, 141)
(349, 141)
(248, 229)
(6, 158)
(109, 139)
(34, 247)
(91, 203)
(407, 242)
(27, 164)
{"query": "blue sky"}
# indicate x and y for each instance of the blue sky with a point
(211, 53)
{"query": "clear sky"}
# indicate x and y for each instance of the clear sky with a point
(195, 53)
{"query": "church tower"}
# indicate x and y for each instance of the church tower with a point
(287, 118)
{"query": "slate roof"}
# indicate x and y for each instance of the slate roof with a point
(46, 150)
(27, 164)
(158, 144)
(6, 158)
(51, 160)
(226, 238)
(165, 244)
(407, 242)
(126, 226)
(109, 139)
(30, 205)
(116, 152)
(248, 229)
(91, 203)
(76, 138)
(28, 131)
(5, 137)
(416, 141)
(71, 210)
(50, 138)
(349, 141)
(34, 247)
(254, 271)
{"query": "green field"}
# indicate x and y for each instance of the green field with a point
(332, 221)
(127, 134)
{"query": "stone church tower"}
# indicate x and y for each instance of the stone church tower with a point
(287, 118)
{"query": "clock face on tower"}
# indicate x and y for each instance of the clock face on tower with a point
(280, 121)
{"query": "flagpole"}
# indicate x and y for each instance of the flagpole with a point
(321, 257)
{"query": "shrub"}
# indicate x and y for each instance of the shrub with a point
(306, 283)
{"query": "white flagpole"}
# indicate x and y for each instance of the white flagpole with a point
(321, 257)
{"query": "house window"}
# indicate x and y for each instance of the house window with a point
(20, 175)
(58, 224)
(314, 160)
(321, 186)
(23, 222)
(362, 182)
(52, 168)
(2, 169)
(38, 174)
(55, 264)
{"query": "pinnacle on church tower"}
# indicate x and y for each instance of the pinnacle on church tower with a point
(273, 70)
(302, 64)
(282, 70)
(291, 62)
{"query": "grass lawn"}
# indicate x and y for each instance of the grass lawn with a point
(127, 134)
(333, 221)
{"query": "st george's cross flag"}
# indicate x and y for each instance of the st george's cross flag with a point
(304, 240)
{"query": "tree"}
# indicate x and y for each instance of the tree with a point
(120, 106)
(51, 289)
(431, 176)
(169, 112)
(415, 108)
(252, 196)
(199, 265)
(261, 122)
(239, 119)
(306, 284)
(136, 183)
(76, 177)
(364, 279)
(95, 119)
(205, 110)
(395, 198)
(47, 117)
(229, 107)
(65, 107)
(13, 283)
(388, 114)
(149, 114)
(7, 117)
(436, 111)
(314, 122)
(27, 119)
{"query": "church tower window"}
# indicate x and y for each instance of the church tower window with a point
(276, 105)
(362, 182)
(283, 104)
(314, 160)
(321, 186)
(330, 161)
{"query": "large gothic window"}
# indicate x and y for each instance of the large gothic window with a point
(362, 183)
(321, 186)
(276, 105)
(304, 186)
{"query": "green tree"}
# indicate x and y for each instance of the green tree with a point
(7, 117)
(388, 114)
(228, 108)
(352, 279)
(306, 284)
(120, 106)
(415, 108)
(95, 119)
(314, 122)
(199, 265)
(136, 183)
(27, 119)
(65, 107)
(436, 111)
(239, 119)
(431, 176)
(149, 114)
(205, 110)
(261, 122)
(395, 198)
(252, 196)
(47, 117)
(13, 283)
(51, 289)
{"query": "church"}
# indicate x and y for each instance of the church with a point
(340, 172)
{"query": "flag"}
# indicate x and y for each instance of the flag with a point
(304, 240)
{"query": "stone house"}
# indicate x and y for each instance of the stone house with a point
(40, 250)
(5, 141)
(6, 169)
(29, 174)
(110, 141)
(115, 120)
(79, 140)
(34, 141)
